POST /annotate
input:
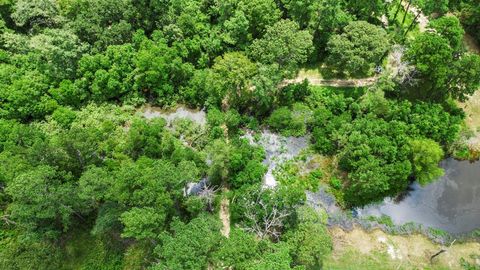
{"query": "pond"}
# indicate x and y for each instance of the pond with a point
(452, 203)
(278, 149)
(181, 112)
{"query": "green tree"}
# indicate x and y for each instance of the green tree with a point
(142, 223)
(330, 18)
(246, 20)
(44, 200)
(366, 9)
(69, 93)
(57, 53)
(145, 138)
(434, 6)
(283, 44)
(450, 28)
(441, 74)
(106, 76)
(190, 245)
(432, 56)
(159, 70)
(291, 121)
(426, 155)
(25, 97)
(101, 23)
(274, 256)
(376, 155)
(358, 49)
(301, 11)
(231, 81)
(310, 241)
(19, 252)
(36, 13)
(463, 78)
(237, 251)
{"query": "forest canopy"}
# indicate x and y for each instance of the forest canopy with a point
(83, 171)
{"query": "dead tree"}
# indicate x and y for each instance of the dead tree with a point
(403, 72)
(443, 250)
(207, 194)
(264, 218)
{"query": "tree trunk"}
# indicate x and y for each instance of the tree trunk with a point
(406, 11)
(398, 10)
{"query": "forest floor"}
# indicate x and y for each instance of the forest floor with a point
(358, 249)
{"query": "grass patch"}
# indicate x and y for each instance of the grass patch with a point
(383, 219)
(354, 260)
(353, 92)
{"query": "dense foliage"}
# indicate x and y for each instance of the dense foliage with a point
(90, 181)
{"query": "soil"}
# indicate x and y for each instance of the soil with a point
(313, 80)
(225, 216)
(411, 250)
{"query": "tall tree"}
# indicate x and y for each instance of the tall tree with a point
(44, 200)
(358, 48)
(283, 44)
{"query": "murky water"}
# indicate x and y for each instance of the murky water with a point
(278, 150)
(199, 117)
(452, 203)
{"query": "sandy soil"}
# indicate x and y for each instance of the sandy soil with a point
(225, 216)
(410, 251)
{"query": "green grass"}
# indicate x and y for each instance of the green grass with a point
(354, 260)
(353, 92)
(384, 219)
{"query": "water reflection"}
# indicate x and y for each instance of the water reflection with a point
(278, 149)
(452, 203)
(180, 112)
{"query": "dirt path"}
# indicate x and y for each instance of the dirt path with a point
(333, 82)
(224, 214)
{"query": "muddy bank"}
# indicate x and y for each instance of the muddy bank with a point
(398, 251)
(278, 149)
(180, 112)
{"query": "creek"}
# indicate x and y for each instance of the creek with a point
(452, 203)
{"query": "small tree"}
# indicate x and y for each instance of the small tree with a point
(426, 154)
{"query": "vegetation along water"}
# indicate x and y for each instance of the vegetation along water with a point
(239, 134)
